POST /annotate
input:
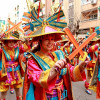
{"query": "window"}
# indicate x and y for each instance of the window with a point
(93, 16)
(85, 1)
(70, 1)
(36, 0)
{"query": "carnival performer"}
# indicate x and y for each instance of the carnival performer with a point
(95, 79)
(93, 55)
(11, 69)
(49, 74)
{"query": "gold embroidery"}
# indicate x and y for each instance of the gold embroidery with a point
(49, 61)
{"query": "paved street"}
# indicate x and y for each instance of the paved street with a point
(11, 96)
(78, 92)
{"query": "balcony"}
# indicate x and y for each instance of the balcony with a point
(90, 6)
(89, 23)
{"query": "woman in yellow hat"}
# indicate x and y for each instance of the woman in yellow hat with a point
(93, 68)
(49, 74)
(11, 69)
(93, 56)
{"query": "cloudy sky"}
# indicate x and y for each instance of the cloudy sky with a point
(7, 5)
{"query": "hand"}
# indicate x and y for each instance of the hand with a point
(60, 63)
(87, 59)
(82, 66)
(67, 60)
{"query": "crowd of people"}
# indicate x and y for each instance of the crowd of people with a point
(45, 66)
(40, 65)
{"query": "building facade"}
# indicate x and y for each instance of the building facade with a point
(82, 14)
(90, 14)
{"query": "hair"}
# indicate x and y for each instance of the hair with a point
(37, 48)
(56, 36)
(7, 41)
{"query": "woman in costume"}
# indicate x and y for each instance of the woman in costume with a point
(11, 69)
(95, 80)
(67, 48)
(93, 55)
(49, 74)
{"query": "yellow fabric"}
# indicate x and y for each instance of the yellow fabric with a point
(25, 47)
(14, 81)
(4, 88)
(61, 48)
(49, 61)
(77, 74)
(84, 57)
(55, 56)
(3, 71)
(94, 88)
(18, 85)
(44, 77)
(11, 52)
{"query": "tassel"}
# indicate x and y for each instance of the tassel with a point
(98, 90)
(19, 98)
(38, 10)
(58, 18)
(86, 85)
(11, 89)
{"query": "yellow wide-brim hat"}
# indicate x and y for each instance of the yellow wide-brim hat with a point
(11, 36)
(45, 30)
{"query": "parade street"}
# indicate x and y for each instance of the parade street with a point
(78, 92)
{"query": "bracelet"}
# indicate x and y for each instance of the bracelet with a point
(57, 69)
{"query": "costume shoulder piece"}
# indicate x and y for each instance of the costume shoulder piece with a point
(27, 55)
(59, 54)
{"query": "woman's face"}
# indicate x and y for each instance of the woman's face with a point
(11, 44)
(47, 43)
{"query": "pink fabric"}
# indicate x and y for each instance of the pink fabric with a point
(83, 76)
(34, 76)
(33, 72)
(49, 29)
(86, 85)
(21, 49)
(93, 48)
(0, 50)
(51, 85)
(71, 68)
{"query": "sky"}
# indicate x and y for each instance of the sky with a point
(7, 5)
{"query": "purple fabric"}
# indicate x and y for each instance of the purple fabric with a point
(54, 91)
(52, 95)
